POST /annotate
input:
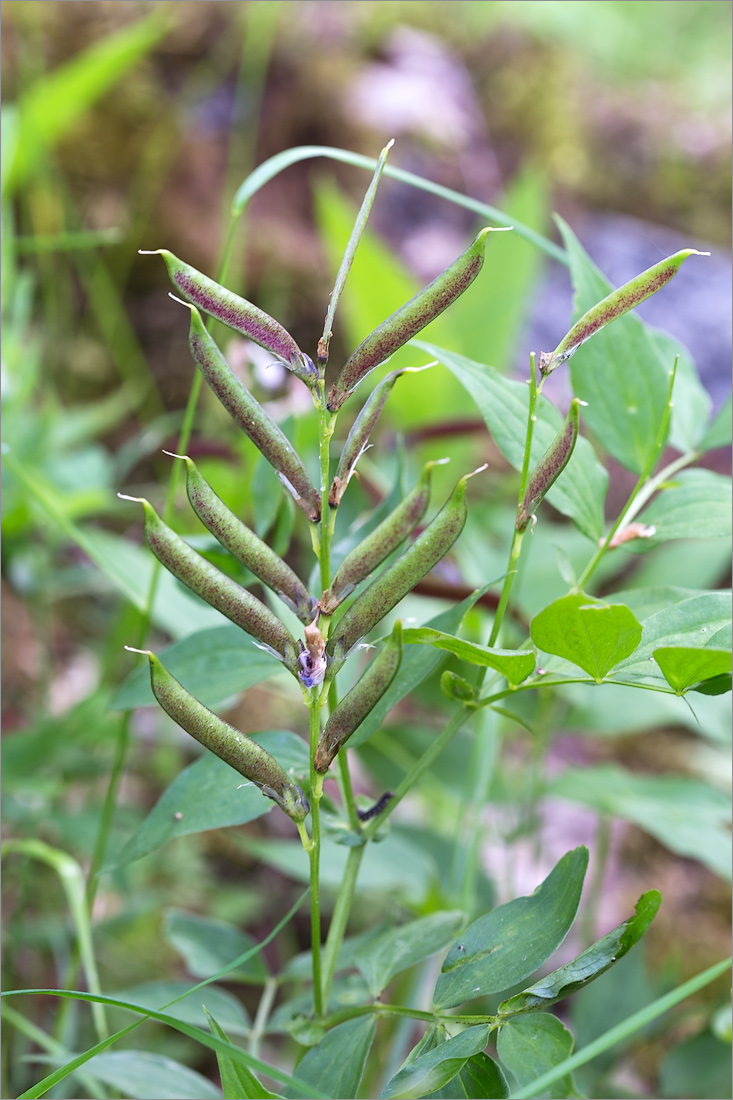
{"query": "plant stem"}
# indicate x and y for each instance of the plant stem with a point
(314, 855)
(340, 917)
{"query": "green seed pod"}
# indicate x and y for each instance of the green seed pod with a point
(245, 545)
(358, 438)
(618, 302)
(390, 586)
(252, 418)
(220, 591)
(381, 542)
(240, 752)
(239, 314)
(549, 467)
(409, 320)
(360, 701)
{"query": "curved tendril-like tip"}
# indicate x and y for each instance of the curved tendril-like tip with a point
(144, 652)
(135, 500)
(172, 454)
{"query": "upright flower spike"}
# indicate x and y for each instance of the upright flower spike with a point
(217, 589)
(409, 320)
(229, 744)
(244, 544)
(238, 314)
(252, 418)
(614, 305)
(360, 701)
(549, 467)
(393, 583)
(381, 542)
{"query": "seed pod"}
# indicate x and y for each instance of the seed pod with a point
(549, 467)
(390, 586)
(618, 302)
(252, 418)
(245, 545)
(409, 320)
(240, 752)
(220, 591)
(382, 541)
(360, 701)
(358, 438)
(239, 314)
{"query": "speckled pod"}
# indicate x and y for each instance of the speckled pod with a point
(220, 591)
(252, 418)
(240, 752)
(411, 566)
(618, 302)
(360, 701)
(380, 543)
(409, 320)
(239, 314)
(246, 547)
(549, 467)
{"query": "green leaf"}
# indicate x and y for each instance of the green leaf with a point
(380, 959)
(207, 945)
(213, 664)
(480, 1078)
(719, 433)
(335, 1065)
(514, 665)
(209, 795)
(593, 635)
(431, 1071)
(237, 1081)
(506, 945)
(147, 1076)
(589, 965)
(620, 373)
(689, 623)
(716, 685)
(697, 504)
(581, 490)
(686, 815)
(191, 1007)
(531, 1045)
(415, 667)
(685, 666)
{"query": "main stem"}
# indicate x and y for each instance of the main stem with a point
(314, 855)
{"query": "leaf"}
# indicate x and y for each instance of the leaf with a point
(719, 433)
(237, 1081)
(691, 402)
(506, 945)
(335, 1065)
(685, 666)
(191, 1007)
(381, 958)
(590, 964)
(697, 504)
(620, 373)
(213, 664)
(416, 666)
(529, 1046)
(503, 403)
(691, 622)
(592, 634)
(514, 665)
(480, 1078)
(207, 945)
(147, 1076)
(686, 815)
(431, 1071)
(209, 795)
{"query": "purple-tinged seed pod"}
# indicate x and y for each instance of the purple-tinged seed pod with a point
(401, 576)
(614, 305)
(229, 744)
(549, 467)
(381, 542)
(217, 589)
(252, 418)
(360, 701)
(407, 321)
(238, 314)
(358, 438)
(244, 544)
